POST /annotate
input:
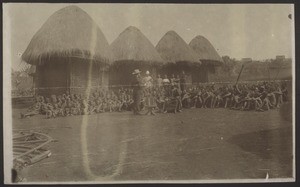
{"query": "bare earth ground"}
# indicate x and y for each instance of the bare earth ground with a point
(194, 144)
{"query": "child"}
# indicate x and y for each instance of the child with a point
(150, 102)
(161, 102)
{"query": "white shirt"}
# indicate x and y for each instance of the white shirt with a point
(166, 80)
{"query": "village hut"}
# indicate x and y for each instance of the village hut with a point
(208, 55)
(70, 53)
(132, 50)
(178, 55)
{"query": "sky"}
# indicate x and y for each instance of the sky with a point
(237, 30)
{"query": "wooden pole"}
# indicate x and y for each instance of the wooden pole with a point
(239, 74)
(269, 72)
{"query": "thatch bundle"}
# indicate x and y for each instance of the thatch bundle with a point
(69, 32)
(172, 48)
(205, 51)
(132, 45)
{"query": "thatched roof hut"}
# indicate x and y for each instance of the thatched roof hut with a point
(69, 32)
(70, 53)
(205, 51)
(132, 50)
(133, 45)
(178, 55)
(172, 48)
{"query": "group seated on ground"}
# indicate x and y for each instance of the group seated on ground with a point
(79, 104)
(165, 98)
(246, 96)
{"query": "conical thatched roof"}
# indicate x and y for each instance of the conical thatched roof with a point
(133, 45)
(69, 32)
(205, 50)
(172, 48)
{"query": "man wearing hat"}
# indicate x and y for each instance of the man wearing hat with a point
(137, 91)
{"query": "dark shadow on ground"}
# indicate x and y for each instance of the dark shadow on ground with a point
(267, 144)
(273, 144)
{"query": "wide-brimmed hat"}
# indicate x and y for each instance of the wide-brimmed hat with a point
(136, 71)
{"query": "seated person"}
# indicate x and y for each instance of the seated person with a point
(197, 100)
(160, 102)
(249, 101)
(207, 98)
(236, 98)
(53, 99)
(99, 106)
(171, 104)
(272, 98)
(43, 108)
(119, 105)
(217, 98)
(36, 110)
(186, 99)
(105, 106)
(150, 102)
(226, 97)
(50, 113)
(242, 100)
(279, 96)
(91, 107)
(265, 106)
(284, 91)
(59, 110)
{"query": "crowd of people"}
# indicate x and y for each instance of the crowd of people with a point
(163, 95)
(79, 104)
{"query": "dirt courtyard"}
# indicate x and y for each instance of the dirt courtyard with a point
(195, 144)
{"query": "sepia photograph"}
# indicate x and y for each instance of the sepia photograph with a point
(148, 93)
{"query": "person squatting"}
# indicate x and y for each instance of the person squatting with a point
(163, 95)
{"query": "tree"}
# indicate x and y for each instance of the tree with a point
(229, 65)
